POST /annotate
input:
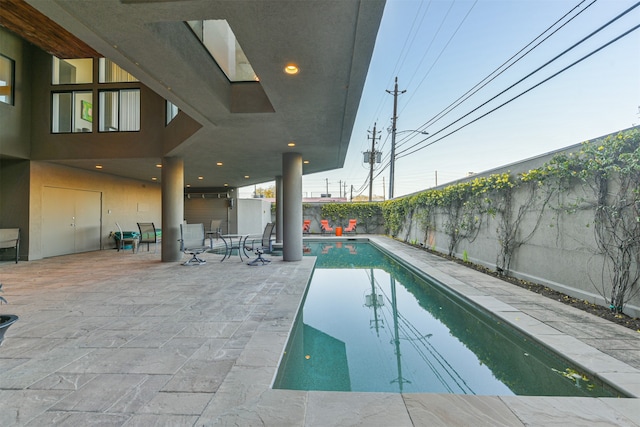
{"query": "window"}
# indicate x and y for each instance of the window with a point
(172, 111)
(119, 110)
(7, 77)
(72, 71)
(110, 72)
(72, 112)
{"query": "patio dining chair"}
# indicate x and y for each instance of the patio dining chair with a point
(122, 241)
(148, 235)
(266, 245)
(193, 242)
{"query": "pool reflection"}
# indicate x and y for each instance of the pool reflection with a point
(369, 324)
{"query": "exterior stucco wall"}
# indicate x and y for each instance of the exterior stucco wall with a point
(123, 200)
(559, 249)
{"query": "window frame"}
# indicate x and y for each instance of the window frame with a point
(12, 83)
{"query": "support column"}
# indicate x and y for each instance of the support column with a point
(172, 207)
(279, 221)
(292, 206)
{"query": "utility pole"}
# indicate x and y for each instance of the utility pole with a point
(327, 186)
(344, 186)
(384, 197)
(393, 136)
(351, 197)
(372, 159)
(340, 188)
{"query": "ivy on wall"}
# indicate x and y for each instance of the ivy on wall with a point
(608, 168)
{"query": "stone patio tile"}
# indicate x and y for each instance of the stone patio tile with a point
(91, 397)
(79, 419)
(164, 420)
(526, 323)
(627, 382)
(588, 357)
(18, 407)
(536, 411)
(492, 304)
(131, 361)
(107, 338)
(212, 329)
(356, 409)
(450, 410)
(630, 357)
(169, 403)
(273, 408)
(33, 370)
(629, 408)
(199, 376)
(28, 348)
(62, 381)
(131, 401)
(241, 389)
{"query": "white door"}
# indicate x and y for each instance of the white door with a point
(71, 221)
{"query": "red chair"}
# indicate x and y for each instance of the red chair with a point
(351, 228)
(324, 226)
(306, 226)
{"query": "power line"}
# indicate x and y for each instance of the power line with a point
(529, 75)
(488, 79)
(626, 33)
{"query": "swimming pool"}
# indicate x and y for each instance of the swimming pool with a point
(367, 323)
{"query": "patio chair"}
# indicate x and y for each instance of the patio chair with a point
(306, 226)
(148, 235)
(130, 239)
(193, 242)
(266, 245)
(351, 228)
(324, 226)
(10, 238)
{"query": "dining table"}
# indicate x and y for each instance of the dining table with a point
(234, 242)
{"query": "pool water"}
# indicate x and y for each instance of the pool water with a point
(369, 324)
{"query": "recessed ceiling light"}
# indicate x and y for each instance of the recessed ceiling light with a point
(226, 185)
(154, 178)
(291, 69)
(219, 164)
(188, 185)
(201, 177)
(98, 166)
(306, 162)
(291, 144)
(158, 165)
(246, 176)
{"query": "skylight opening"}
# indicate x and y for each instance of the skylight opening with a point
(218, 38)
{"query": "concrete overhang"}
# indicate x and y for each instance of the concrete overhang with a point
(246, 126)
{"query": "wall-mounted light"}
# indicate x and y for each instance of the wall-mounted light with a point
(201, 177)
(219, 164)
(291, 144)
(98, 166)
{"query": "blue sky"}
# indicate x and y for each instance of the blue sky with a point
(441, 49)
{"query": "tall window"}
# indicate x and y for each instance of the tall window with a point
(72, 112)
(7, 78)
(119, 110)
(110, 72)
(72, 71)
